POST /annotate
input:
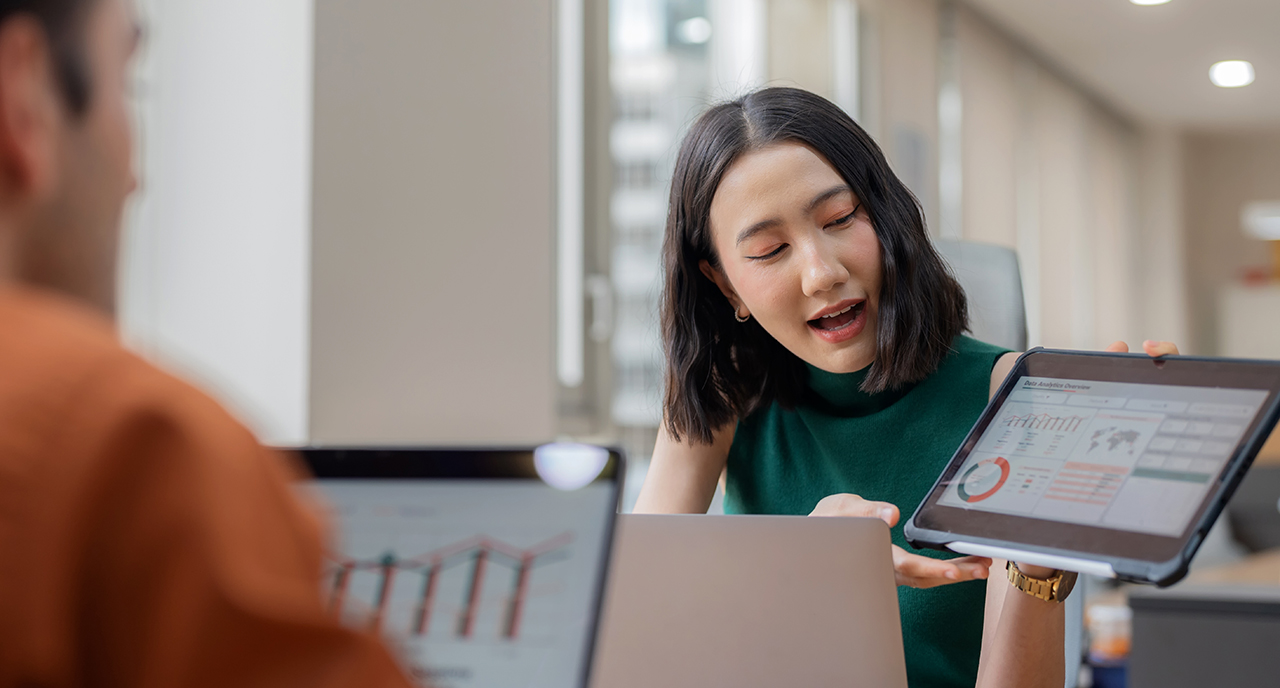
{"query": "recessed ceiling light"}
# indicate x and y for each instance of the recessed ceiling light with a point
(1148, 2)
(1231, 73)
(696, 30)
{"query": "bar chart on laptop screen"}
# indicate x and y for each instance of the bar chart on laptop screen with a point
(476, 583)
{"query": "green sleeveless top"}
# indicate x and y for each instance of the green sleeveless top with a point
(888, 447)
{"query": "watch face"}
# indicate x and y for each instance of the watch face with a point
(1066, 584)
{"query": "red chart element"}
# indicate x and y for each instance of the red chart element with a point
(983, 479)
(478, 551)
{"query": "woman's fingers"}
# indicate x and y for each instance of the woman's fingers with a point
(909, 569)
(1151, 347)
(919, 571)
(852, 505)
(1154, 348)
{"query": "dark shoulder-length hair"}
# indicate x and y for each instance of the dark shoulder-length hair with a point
(719, 370)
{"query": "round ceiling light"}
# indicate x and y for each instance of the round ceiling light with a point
(1231, 73)
(696, 31)
(1148, 2)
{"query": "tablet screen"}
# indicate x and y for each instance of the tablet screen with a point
(1117, 455)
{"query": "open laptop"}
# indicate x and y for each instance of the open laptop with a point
(750, 601)
(483, 568)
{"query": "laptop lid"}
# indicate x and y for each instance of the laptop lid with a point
(483, 568)
(771, 601)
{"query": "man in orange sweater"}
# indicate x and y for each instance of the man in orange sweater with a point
(146, 539)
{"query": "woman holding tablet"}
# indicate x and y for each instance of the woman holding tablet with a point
(815, 353)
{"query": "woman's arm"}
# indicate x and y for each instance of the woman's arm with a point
(682, 476)
(1023, 637)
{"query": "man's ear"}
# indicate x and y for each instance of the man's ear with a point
(29, 108)
(722, 282)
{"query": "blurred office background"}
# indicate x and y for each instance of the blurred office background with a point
(405, 221)
(397, 221)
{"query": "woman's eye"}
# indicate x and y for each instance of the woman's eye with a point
(847, 219)
(768, 255)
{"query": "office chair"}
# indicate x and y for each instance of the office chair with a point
(993, 283)
(991, 279)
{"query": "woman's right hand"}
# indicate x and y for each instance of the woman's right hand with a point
(909, 569)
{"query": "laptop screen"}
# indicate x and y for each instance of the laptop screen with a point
(482, 568)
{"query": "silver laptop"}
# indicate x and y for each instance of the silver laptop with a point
(750, 601)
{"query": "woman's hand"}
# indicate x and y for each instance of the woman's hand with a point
(909, 569)
(1152, 348)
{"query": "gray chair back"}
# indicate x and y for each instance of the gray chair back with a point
(998, 315)
(993, 283)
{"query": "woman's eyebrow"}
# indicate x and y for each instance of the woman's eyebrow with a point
(826, 196)
(774, 222)
(756, 229)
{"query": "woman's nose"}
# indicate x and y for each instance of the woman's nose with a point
(823, 270)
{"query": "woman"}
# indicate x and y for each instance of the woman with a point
(815, 353)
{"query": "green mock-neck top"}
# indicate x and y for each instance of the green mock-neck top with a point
(889, 447)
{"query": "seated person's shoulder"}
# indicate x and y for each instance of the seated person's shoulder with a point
(968, 346)
(66, 381)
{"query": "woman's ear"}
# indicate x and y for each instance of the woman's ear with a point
(722, 282)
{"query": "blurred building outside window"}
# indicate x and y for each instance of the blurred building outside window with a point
(669, 61)
(658, 51)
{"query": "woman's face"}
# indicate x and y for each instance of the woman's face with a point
(798, 253)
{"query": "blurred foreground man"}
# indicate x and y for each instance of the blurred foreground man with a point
(146, 540)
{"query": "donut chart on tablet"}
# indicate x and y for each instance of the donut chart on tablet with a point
(983, 479)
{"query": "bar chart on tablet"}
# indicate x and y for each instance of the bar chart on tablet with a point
(1036, 430)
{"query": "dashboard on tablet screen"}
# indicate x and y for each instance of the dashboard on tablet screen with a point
(1125, 456)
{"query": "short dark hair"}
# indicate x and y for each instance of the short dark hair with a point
(63, 22)
(719, 370)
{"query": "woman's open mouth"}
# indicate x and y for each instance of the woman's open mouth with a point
(841, 325)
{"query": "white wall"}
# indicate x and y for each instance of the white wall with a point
(1223, 171)
(215, 273)
(432, 276)
(1163, 301)
(1088, 198)
(906, 92)
(409, 299)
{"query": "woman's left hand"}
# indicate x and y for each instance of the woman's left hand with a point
(1151, 347)
(911, 570)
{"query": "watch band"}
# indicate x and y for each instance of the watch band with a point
(1053, 589)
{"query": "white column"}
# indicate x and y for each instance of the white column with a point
(215, 262)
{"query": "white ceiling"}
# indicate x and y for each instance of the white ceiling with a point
(1152, 63)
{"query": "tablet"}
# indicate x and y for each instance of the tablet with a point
(1109, 464)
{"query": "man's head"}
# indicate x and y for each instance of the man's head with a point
(65, 142)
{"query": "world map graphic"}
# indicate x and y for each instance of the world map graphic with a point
(1116, 438)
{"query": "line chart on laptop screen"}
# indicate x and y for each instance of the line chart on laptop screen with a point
(477, 560)
(476, 583)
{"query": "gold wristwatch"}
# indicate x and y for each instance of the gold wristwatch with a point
(1053, 589)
